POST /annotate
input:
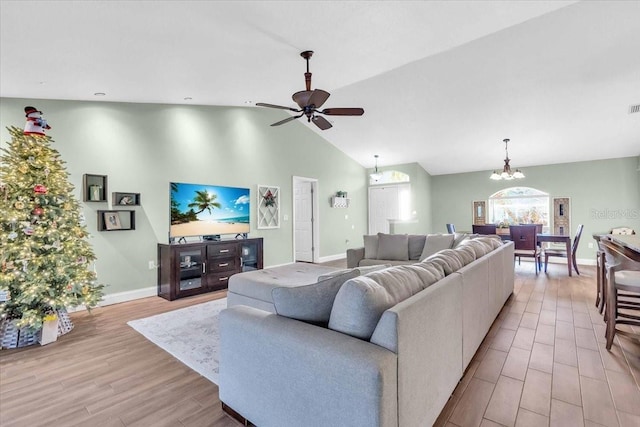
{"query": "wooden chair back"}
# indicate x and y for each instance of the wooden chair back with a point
(484, 229)
(524, 237)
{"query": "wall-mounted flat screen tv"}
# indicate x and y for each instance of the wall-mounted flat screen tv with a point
(201, 210)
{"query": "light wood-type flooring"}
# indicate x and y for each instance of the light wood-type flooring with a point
(542, 363)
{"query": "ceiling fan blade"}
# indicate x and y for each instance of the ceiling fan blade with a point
(288, 119)
(262, 104)
(342, 111)
(321, 122)
(318, 97)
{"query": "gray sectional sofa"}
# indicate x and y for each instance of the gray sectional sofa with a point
(386, 348)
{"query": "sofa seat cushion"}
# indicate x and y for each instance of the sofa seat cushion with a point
(361, 301)
(310, 303)
(435, 243)
(393, 247)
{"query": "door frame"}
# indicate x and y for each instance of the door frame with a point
(315, 231)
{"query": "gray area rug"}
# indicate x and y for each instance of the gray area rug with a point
(189, 334)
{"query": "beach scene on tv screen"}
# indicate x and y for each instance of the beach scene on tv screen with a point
(198, 210)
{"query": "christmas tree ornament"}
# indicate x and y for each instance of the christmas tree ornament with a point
(28, 230)
(23, 168)
(40, 189)
(47, 171)
(35, 125)
(38, 211)
(19, 205)
(12, 235)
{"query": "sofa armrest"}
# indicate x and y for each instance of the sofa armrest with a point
(354, 256)
(276, 371)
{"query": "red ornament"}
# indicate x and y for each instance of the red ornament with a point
(40, 189)
(37, 211)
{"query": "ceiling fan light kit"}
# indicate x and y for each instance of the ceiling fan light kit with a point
(506, 174)
(310, 101)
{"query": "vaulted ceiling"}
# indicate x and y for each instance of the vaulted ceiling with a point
(442, 82)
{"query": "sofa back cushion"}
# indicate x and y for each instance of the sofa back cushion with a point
(416, 245)
(371, 246)
(467, 254)
(361, 301)
(435, 243)
(393, 247)
(448, 259)
(310, 303)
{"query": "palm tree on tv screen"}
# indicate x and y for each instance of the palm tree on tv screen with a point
(204, 201)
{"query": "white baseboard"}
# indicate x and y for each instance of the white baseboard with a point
(332, 257)
(119, 297)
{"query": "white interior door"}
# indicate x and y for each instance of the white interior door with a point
(383, 206)
(303, 220)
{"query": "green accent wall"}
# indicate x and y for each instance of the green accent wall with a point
(604, 194)
(143, 147)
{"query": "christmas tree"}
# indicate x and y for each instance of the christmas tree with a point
(45, 255)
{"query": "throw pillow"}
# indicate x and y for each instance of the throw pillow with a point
(435, 243)
(416, 245)
(309, 303)
(393, 247)
(371, 246)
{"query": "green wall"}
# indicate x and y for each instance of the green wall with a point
(604, 194)
(142, 147)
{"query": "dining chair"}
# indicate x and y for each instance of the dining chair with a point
(563, 252)
(623, 281)
(525, 239)
(451, 228)
(484, 229)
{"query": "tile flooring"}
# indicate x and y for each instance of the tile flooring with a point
(544, 361)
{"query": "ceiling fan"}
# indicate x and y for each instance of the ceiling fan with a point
(310, 100)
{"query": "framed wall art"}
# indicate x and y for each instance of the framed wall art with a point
(268, 206)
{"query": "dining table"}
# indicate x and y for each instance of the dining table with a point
(629, 243)
(558, 238)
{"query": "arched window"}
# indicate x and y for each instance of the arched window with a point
(520, 205)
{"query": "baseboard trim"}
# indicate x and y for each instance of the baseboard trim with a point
(329, 258)
(119, 297)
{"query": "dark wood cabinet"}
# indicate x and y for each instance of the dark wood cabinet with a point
(194, 268)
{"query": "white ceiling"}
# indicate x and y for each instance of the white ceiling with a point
(441, 82)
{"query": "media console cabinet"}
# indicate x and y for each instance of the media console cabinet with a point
(195, 268)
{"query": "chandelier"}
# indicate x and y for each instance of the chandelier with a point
(376, 175)
(506, 171)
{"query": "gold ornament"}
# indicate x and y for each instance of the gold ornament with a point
(23, 168)
(19, 205)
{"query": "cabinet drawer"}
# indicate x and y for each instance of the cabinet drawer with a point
(216, 265)
(218, 280)
(222, 250)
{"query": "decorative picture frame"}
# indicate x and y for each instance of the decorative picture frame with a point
(561, 215)
(479, 212)
(268, 206)
(112, 221)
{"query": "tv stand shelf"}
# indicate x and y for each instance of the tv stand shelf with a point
(195, 268)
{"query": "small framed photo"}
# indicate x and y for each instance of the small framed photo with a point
(112, 221)
(126, 200)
